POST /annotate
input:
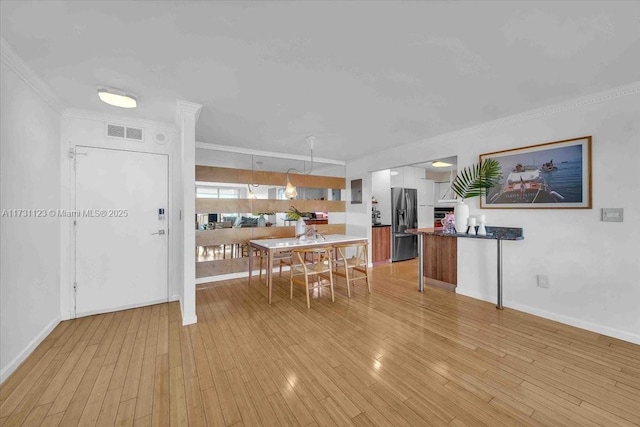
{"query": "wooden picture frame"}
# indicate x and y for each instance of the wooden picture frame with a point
(356, 191)
(553, 175)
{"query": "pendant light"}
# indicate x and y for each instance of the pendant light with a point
(290, 191)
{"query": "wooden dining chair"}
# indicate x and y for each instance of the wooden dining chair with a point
(315, 274)
(354, 268)
(280, 259)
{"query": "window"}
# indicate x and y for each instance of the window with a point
(217, 193)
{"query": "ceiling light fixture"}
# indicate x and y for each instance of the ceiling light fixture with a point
(117, 98)
(290, 191)
(439, 164)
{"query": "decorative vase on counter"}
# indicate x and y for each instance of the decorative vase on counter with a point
(301, 229)
(461, 214)
(261, 221)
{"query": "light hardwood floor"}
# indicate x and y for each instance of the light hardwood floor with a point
(391, 358)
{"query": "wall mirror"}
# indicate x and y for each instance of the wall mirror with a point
(240, 197)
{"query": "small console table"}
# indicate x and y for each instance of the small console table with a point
(493, 233)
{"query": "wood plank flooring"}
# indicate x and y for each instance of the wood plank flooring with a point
(391, 358)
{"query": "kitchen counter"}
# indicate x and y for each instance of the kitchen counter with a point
(439, 250)
(381, 225)
(494, 233)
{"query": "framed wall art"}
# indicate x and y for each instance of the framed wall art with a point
(551, 175)
(356, 191)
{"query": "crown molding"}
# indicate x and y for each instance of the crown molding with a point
(185, 107)
(595, 98)
(228, 148)
(78, 113)
(22, 70)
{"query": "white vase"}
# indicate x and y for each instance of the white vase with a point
(301, 229)
(261, 221)
(461, 215)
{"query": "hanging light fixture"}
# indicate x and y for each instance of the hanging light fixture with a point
(259, 166)
(117, 98)
(290, 191)
(251, 194)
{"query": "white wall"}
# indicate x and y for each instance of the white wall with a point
(88, 128)
(381, 189)
(29, 247)
(593, 267)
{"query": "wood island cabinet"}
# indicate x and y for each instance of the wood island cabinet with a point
(441, 259)
(381, 244)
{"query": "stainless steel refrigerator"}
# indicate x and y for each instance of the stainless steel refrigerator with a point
(404, 212)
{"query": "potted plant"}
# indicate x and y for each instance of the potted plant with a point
(294, 214)
(473, 181)
(262, 222)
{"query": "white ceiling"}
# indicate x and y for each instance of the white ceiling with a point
(358, 75)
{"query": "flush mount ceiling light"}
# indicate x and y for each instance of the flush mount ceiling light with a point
(290, 191)
(439, 164)
(117, 98)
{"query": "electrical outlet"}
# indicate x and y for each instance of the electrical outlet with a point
(543, 281)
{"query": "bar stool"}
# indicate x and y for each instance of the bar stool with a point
(358, 263)
(317, 270)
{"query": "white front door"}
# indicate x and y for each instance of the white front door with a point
(121, 242)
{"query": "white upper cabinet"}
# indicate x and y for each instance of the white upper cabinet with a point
(397, 177)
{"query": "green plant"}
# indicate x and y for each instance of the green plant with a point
(474, 180)
(294, 214)
(264, 213)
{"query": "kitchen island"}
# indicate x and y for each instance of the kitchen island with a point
(380, 243)
(437, 253)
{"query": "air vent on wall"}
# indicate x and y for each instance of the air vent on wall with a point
(124, 132)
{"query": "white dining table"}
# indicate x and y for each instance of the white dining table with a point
(273, 246)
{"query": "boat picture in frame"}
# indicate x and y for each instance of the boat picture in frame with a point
(552, 175)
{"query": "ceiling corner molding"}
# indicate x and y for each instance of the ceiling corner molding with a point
(78, 113)
(17, 64)
(595, 98)
(185, 107)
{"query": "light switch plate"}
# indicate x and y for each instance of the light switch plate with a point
(612, 214)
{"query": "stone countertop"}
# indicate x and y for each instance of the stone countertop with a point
(494, 233)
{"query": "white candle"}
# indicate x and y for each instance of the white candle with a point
(471, 222)
(482, 219)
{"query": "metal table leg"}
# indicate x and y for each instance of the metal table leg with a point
(250, 262)
(499, 304)
(420, 263)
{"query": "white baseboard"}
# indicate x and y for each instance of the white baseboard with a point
(567, 320)
(230, 276)
(189, 320)
(35, 342)
(120, 308)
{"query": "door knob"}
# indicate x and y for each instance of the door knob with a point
(160, 232)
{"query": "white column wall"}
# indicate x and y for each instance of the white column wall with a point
(593, 267)
(186, 117)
